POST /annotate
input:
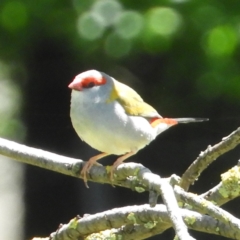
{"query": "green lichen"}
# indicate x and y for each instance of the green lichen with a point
(223, 191)
(230, 183)
(136, 171)
(180, 204)
(105, 235)
(188, 206)
(139, 189)
(190, 220)
(215, 203)
(108, 169)
(205, 204)
(131, 217)
(150, 225)
(73, 223)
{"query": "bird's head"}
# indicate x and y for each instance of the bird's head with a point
(89, 79)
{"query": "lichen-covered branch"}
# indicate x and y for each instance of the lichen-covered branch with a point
(161, 186)
(146, 220)
(203, 206)
(206, 157)
(137, 219)
(227, 189)
(129, 232)
(69, 166)
(170, 201)
(72, 167)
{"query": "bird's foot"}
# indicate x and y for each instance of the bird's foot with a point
(88, 165)
(120, 161)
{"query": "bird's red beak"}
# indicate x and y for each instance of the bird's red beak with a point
(76, 85)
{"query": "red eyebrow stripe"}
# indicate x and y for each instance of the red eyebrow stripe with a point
(156, 121)
(96, 80)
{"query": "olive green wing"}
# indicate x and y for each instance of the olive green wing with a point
(131, 101)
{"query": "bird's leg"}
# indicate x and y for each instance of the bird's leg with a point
(119, 161)
(87, 166)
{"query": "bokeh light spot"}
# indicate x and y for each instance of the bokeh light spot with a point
(180, 1)
(14, 15)
(164, 21)
(117, 47)
(129, 24)
(10, 99)
(221, 41)
(90, 26)
(108, 10)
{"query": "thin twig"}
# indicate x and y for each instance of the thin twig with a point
(206, 157)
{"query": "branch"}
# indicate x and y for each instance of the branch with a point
(40, 158)
(207, 157)
(136, 177)
(129, 232)
(227, 189)
(71, 167)
(203, 206)
(161, 186)
(174, 211)
(139, 222)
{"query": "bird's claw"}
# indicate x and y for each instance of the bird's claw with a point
(84, 172)
(84, 175)
(86, 168)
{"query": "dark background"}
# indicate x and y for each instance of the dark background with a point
(182, 56)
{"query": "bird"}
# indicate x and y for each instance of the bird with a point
(113, 118)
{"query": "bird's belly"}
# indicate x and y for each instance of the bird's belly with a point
(111, 130)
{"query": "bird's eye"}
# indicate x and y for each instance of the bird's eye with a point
(89, 85)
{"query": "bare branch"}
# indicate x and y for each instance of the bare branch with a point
(206, 157)
(40, 158)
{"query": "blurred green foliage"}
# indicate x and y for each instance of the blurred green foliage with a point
(10, 106)
(201, 37)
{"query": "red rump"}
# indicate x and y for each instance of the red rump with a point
(169, 121)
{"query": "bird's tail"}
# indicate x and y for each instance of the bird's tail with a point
(163, 124)
(189, 120)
